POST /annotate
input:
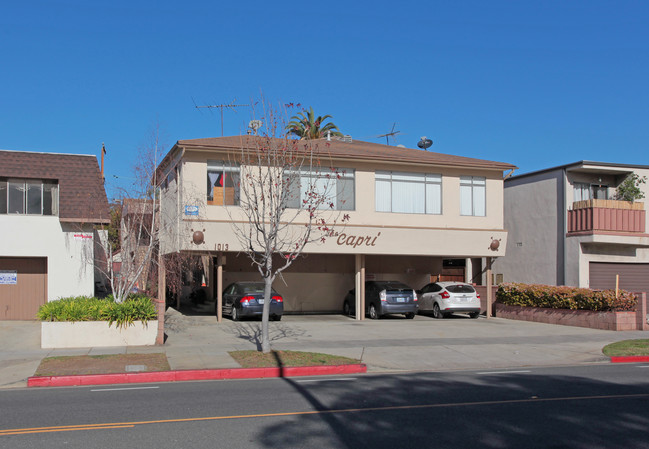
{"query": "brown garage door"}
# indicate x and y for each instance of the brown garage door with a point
(23, 287)
(633, 276)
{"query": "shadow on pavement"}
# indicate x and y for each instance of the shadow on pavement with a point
(458, 411)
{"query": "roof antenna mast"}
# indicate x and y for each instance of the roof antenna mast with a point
(390, 134)
(230, 105)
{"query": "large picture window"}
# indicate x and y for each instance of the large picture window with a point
(334, 186)
(32, 197)
(413, 193)
(222, 183)
(473, 195)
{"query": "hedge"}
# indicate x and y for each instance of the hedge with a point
(83, 308)
(548, 296)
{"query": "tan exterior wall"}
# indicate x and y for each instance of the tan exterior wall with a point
(447, 234)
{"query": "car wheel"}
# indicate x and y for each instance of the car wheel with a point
(235, 314)
(474, 315)
(347, 310)
(277, 317)
(410, 315)
(374, 314)
(437, 313)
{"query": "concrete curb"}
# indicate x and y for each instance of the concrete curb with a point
(630, 359)
(194, 374)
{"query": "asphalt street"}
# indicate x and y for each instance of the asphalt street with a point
(586, 406)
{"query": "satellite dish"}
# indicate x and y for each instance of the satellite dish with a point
(255, 125)
(424, 143)
(401, 145)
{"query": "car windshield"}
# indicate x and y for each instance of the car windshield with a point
(392, 286)
(460, 288)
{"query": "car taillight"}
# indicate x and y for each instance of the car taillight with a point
(383, 296)
(246, 300)
(445, 295)
(278, 298)
(414, 295)
(477, 295)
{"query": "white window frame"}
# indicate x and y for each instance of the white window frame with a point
(224, 168)
(324, 180)
(25, 192)
(387, 183)
(473, 196)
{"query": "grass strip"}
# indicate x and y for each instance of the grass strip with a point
(256, 359)
(627, 348)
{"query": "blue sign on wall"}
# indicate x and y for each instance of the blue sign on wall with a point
(191, 210)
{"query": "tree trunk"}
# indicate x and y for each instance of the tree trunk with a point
(265, 338)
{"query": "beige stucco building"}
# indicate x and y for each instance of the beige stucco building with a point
(413, 215)
(566, 228)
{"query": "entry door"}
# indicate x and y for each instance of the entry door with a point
(23, 287)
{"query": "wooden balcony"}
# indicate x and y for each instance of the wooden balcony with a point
(608, 216)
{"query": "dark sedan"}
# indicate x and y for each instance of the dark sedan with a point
(383, 298)
(246, 299)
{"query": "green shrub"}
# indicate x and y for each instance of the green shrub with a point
(83, 308)
(548, 296)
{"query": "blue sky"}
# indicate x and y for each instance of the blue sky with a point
(535, 84)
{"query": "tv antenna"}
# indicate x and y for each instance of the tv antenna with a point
(230, 105)
(390, 134)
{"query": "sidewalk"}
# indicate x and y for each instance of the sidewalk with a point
(386, 345)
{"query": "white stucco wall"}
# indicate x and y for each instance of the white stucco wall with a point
(69, 250)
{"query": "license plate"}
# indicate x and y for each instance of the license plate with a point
(401, 299)
(260, 301)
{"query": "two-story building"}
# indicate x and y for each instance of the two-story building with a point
(412, 215)
(49, 206)
(566, 228)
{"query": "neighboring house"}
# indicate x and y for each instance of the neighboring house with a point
(565, 228)
(410, 211)
(49, 206)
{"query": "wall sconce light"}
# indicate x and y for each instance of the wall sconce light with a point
(198, 237)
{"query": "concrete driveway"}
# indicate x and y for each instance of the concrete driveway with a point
(386, 345)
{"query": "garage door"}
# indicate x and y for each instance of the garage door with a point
(633, 276)
(23, 287)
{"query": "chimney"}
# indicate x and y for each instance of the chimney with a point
(103, 152)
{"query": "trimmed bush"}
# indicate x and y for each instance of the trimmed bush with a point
(573, 298)
(83, 308)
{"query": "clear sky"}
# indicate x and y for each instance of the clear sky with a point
(532, 83)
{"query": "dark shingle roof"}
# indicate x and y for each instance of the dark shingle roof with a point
(360, 150)
(82, 197)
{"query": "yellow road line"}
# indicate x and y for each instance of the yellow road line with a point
(100, 426)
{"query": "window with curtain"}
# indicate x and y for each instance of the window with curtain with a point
(222, 183)
(412, 193)
(473, 195)
(31, 197)
(581, 191)
(335, 185)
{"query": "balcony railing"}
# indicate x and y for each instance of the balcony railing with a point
(606, 216)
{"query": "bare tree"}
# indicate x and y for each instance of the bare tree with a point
(287, 196)
(132, 265)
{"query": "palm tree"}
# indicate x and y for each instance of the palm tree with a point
(307, 126)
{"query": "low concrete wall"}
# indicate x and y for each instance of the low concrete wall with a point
(615, 321)
(88, 334)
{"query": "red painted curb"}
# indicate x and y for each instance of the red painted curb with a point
(193, 374)
(630, 359)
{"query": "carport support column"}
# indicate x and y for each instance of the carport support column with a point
(219, 287)
(360, 286)
(489, 287)
(162, 300)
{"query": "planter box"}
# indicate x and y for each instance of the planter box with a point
(89, 334)
(614, 321)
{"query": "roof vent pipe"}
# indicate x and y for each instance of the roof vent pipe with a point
(328, 135)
